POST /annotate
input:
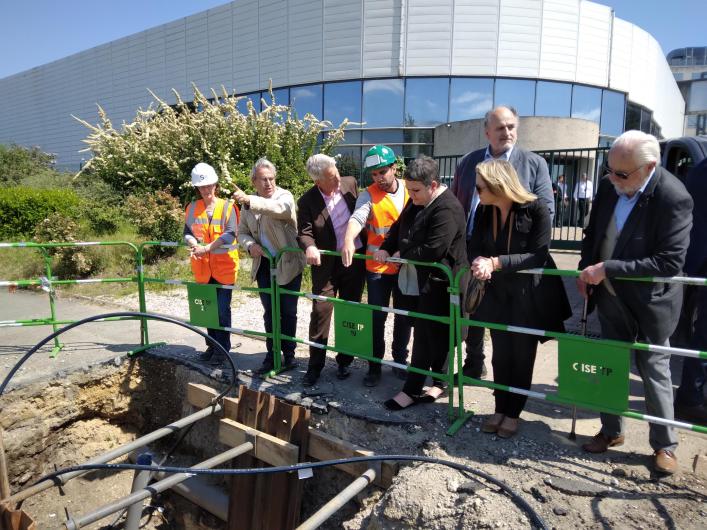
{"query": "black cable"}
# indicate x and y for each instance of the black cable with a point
(534, 517)
(151, 316)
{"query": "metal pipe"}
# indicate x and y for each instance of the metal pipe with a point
(119, 451)
(335, 504)
(157, 487)
(140, 482)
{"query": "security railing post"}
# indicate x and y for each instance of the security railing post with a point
(140, 481)
(141, 294)
(452, 327)
(275, 312)
(52, 301)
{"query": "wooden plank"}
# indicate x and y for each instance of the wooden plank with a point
(200, 396)
(268, 448)
(230, 408)
(323, 446)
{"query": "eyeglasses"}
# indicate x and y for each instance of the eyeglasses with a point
(621, 174)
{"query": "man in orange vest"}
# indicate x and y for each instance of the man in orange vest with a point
(377, 208)
(210, 233)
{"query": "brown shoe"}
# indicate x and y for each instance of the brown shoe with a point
(601, 442)
(665, 461)
(490, 424)
(508, 428)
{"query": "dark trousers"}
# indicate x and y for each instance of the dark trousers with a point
(474, 349)
(347, 284)
(223, 300)
(380, 288)
(430, 346)
(513, 360)
(694, 371)
(581, 212)
(288, 311)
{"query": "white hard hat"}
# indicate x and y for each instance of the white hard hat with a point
(203, 175)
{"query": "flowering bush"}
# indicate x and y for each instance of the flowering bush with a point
(160, 147)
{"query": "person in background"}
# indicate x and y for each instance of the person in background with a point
(501, 130)
(210, 233)
(430, 228)
(377, 208)
(561, 200)
(269, 222)
(583, 195)
(639, 226)
(323, 214)
(512, 231)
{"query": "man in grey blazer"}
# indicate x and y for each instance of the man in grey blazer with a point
(639, 226)
(501, 128)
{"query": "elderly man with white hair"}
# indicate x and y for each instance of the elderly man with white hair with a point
(639, 226)
(323, 213)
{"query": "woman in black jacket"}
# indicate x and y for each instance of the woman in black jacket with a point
(430, 228)
(511, 233)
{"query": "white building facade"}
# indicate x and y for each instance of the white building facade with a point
(400, 66)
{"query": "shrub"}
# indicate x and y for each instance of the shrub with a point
(160, 147)
(22, 209)
(69, 262)
(18, 162)
(101, 218)
(157, 216)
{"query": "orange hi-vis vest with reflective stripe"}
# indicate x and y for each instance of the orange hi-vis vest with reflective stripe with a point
(383, 215)
(221, 264)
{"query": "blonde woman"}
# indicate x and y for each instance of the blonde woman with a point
(511, 233)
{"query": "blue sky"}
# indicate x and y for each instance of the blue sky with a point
(35, 32)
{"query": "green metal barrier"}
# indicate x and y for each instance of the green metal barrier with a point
(449, 320)
(463, 415)
(48, 282)
(238, 331)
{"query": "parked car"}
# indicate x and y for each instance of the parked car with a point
(679, 155)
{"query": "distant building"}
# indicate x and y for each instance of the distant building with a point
(399, 67)
(689, 66)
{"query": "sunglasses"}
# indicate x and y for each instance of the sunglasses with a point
(621, 174)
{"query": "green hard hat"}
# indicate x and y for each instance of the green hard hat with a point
(378, 156)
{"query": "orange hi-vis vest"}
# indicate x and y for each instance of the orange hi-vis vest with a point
(383, 215)
(221, 264)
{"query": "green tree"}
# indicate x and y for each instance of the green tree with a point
(160, 147)
(17, 163)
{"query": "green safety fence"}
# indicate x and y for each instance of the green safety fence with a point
(592, 373)
(353, 322)
(48, 282)
(203, 310)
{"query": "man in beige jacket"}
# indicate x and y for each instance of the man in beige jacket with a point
(269, 223)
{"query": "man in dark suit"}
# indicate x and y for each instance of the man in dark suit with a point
(323, 214)
(501, 128)
(640, 226)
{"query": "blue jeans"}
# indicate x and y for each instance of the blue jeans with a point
(380, 287)
(694, 371)
(223, 300)
(288, 311)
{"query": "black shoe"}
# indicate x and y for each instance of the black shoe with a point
(342, 372)
(289, 364)
(265, 368)
(310, 379)
(475, 372)
(372, 379)
(216, 360)
(696, 413)
(206, 355)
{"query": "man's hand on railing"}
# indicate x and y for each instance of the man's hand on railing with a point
(380, 255)
(255, 250)
(313, 256)
(347, 252)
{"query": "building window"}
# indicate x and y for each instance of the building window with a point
(253, 98)
(426, 101)
(612, 113)
(586, 103)
(307, 100)
(646, 121)
(698, 96)
(281, 95)
(373, 137)
(518, 93)
(383, 102)
(553, 99)
(470, 99)
(342, 101)
(633, 117)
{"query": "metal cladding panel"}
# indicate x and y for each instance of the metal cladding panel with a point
(175, 65)
(306, 28)
(594, 44)
(621, 49)
(519, 38)
(558, 48)
(273, 40)
(642, 67)
(428, 37)
(381, 38)
(246, 56)
(342, 39)
(197, 50)
(475, 37)
(220, 36)
(155, 61)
